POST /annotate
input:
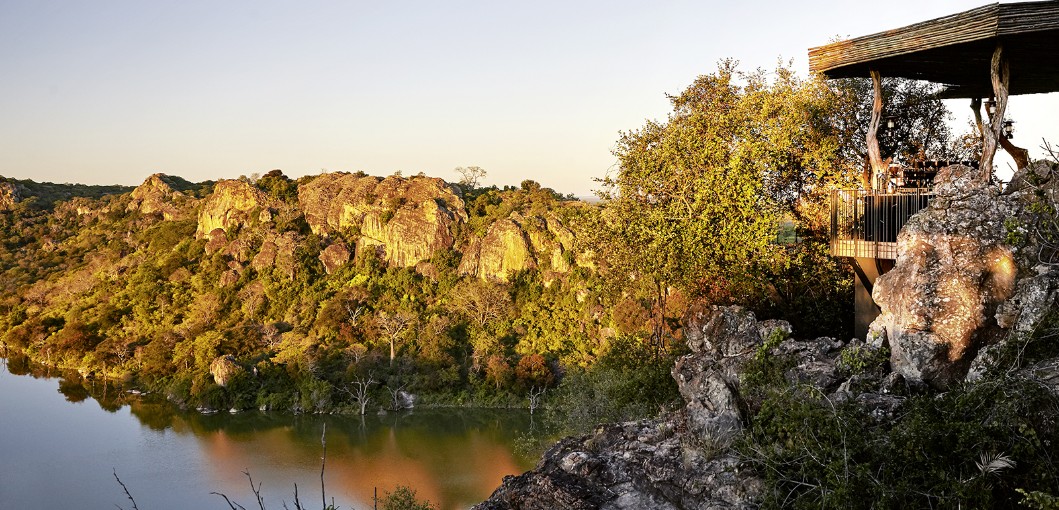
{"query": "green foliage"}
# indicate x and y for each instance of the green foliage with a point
(404, 498)
(1024, 349)
(279, 186)
(920, 131)
(1038, 500)
(971, 446)
(862, 359)
(808, 288)
(698, 199)
(629, 382)
(765, 369)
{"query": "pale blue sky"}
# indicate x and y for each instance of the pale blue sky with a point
(111, 91)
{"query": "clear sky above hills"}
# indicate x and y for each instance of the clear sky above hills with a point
(111, 91)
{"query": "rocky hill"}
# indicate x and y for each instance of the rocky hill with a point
(335, 270)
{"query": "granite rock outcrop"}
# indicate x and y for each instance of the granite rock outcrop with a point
(234, 204)
(404, 220)
(964, 280)
(157, 196)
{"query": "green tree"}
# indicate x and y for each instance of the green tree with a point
(697, 199)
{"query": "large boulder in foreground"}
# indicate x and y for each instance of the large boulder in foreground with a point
(721, 339)
(684, 459)
(681, 461)
(647, 464)
(964, 280)
(953, 270)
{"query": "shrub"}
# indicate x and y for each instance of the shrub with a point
(971, 446)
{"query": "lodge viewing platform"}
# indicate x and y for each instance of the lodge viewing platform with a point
(986, 55)
(865, 223)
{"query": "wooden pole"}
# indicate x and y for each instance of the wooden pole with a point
(1000, 74)
(874, 155)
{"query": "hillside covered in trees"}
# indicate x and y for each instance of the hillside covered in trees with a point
(293, 294)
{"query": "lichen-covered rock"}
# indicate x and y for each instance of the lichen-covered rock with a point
(684, 460)
(647, 464)
(1035, 296)
(405, 220)
(503, 251)
(721, 339)
(953, 270)
(518, 243)
(233, 204)
(216, 241)
(224, 369)
(334, 256)
(277, 252)
(156, 195)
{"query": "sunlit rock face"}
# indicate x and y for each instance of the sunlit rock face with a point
(405, 220)
(518, 243)
(155, 195)
(503, 251)
(224, 369)
(954, 271)
(10, 194)
(234, 204)
(334, 257)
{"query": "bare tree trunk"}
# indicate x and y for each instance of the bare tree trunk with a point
(1000, 75)
(874, 154)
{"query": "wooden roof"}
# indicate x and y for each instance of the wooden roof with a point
(955, 50)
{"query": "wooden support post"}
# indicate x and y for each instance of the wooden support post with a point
(1020, 155)
(874, 155)
(1000, 74)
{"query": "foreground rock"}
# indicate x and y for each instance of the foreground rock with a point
(685, 460)
(960, 280)
(647, 464)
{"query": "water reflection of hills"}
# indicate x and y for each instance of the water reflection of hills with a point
(454, 457)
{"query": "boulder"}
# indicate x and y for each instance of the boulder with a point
(953, 271)
(157, 196)
(224, 369)
(721, 339)
(646, 464)
(232, 205)
(277, 252)
(503, 251)
(684, 460)
(1035, 296)
(405, 220)
(334, 256)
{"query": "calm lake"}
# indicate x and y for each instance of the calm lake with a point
(61, 441)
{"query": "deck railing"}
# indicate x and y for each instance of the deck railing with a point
(866, 223)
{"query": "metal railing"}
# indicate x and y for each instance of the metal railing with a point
(866, 223)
